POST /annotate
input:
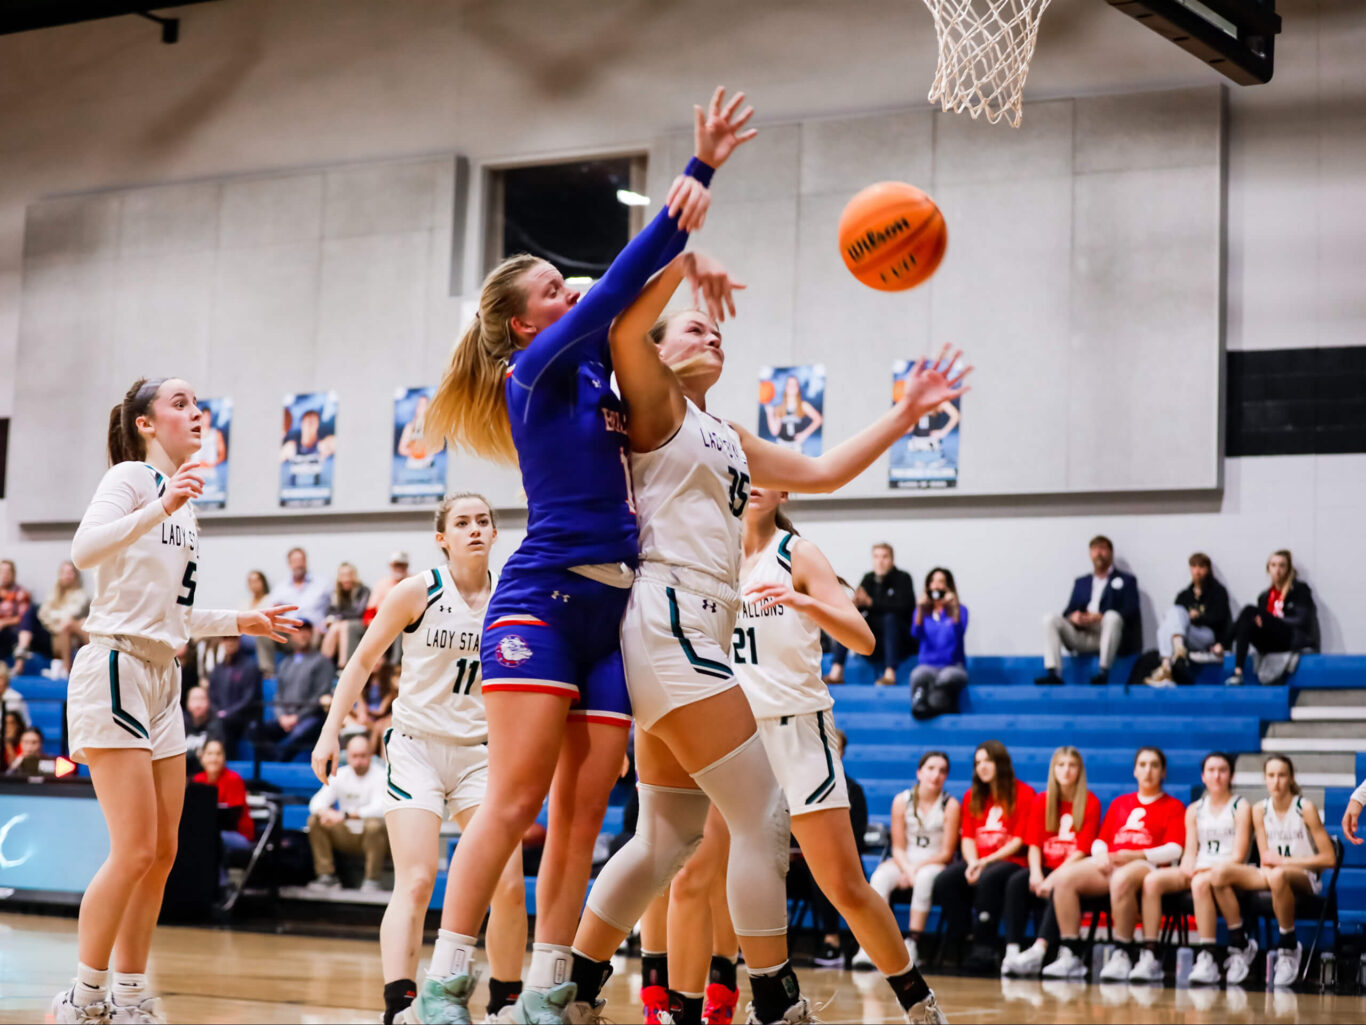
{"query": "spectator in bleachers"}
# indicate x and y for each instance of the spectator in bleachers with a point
(300, 589)
(347, 815)
(1063, 823)
(1218, 830)
(972, 892)
(398, 572)
(1352, 816)
(886, 598)
(1295, 851)
(1196, 625)
(1102, 616)
(14, 603)
(30, 753)
(201, 726)
(1141, 832)
(1284, 618)
(234, 691)
(53, 628)
(258, 597)
(232, 796)
(10, 699)
(302, 697)
(15, 724)
(925, 824)
(940, 624)
(343, 626)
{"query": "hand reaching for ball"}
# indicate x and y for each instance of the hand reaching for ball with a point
(930, 385)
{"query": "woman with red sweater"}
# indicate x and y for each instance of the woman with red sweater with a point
(1063, 823)
(1142, 831)
(232, 793)
(973, 890)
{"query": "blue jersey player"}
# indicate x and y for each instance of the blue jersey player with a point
(530, 382)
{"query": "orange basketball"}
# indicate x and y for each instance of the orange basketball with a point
(767, 393)
(892, 236)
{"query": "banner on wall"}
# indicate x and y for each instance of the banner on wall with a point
(926, 456)
(417, 473)
(791, 406)
(215, 424)
(308, 449)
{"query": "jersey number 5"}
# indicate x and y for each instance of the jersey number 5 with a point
(188, 582)
(739, 491)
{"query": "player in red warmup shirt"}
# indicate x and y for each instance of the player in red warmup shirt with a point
(994, 812)
(1142, 831)
(1060, 829)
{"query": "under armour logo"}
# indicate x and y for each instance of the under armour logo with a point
(559, 596)
(708, 605)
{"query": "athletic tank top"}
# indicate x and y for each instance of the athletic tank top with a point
(924, 835)
(690, 495)
(146, 589)
(440, 693)
(1287, 833)
(788, 424)
(777, 653)
(1215, 831)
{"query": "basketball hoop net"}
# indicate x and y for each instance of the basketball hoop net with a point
(985, 47)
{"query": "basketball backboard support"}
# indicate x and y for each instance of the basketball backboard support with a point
(1235, 37)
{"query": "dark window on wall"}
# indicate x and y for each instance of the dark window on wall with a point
(4, 453)
(1296, 402)
(577, 215)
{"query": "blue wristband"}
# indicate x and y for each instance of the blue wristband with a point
(699, 170)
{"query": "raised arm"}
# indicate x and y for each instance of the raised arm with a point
(783, 469)
(118, 516)
(401, 608)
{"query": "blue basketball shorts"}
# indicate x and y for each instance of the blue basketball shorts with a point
(556, 632)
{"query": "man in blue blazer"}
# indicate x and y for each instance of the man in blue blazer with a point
(1102, 616)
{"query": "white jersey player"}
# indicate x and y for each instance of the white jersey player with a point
(140, 536)
(1294, 850)
(696, 738)
(1218, 832)
(437, 755)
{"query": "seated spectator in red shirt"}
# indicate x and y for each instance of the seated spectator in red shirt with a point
(973, 890)
(26, 760)
(232, 796)
(1284, 618)
(14, 605)
(1063, 824)
(1142, 832)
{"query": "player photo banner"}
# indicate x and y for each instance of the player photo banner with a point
(215, 424)
(418, 474)
(791, 406)
(927, 455)
(308, 449)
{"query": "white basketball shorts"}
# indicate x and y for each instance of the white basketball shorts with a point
(434, 775)
(802, 751)
(115, 699)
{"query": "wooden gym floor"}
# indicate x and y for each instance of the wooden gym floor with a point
(212, 975)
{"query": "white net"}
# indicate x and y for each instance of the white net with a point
(985, 47)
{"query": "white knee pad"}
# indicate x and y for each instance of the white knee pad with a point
(667, 832)
(745, 791)
(922, 895)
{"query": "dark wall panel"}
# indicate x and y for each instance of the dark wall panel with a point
(1296, 402)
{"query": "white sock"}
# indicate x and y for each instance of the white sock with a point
(92, 985)
(129, 988)
(906, 968)
(550, 966)
(454, 955)
(768, 971)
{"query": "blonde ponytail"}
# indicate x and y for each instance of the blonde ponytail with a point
(470, 409)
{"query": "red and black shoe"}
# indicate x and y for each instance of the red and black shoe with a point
(719, 1008)
(654, 1002)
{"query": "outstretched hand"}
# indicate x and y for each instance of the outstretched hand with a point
(688, 200)
(271, 622)
(712, 286)
(717, 131)
(929, 385)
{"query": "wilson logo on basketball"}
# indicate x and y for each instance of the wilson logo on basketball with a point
(873, 239)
